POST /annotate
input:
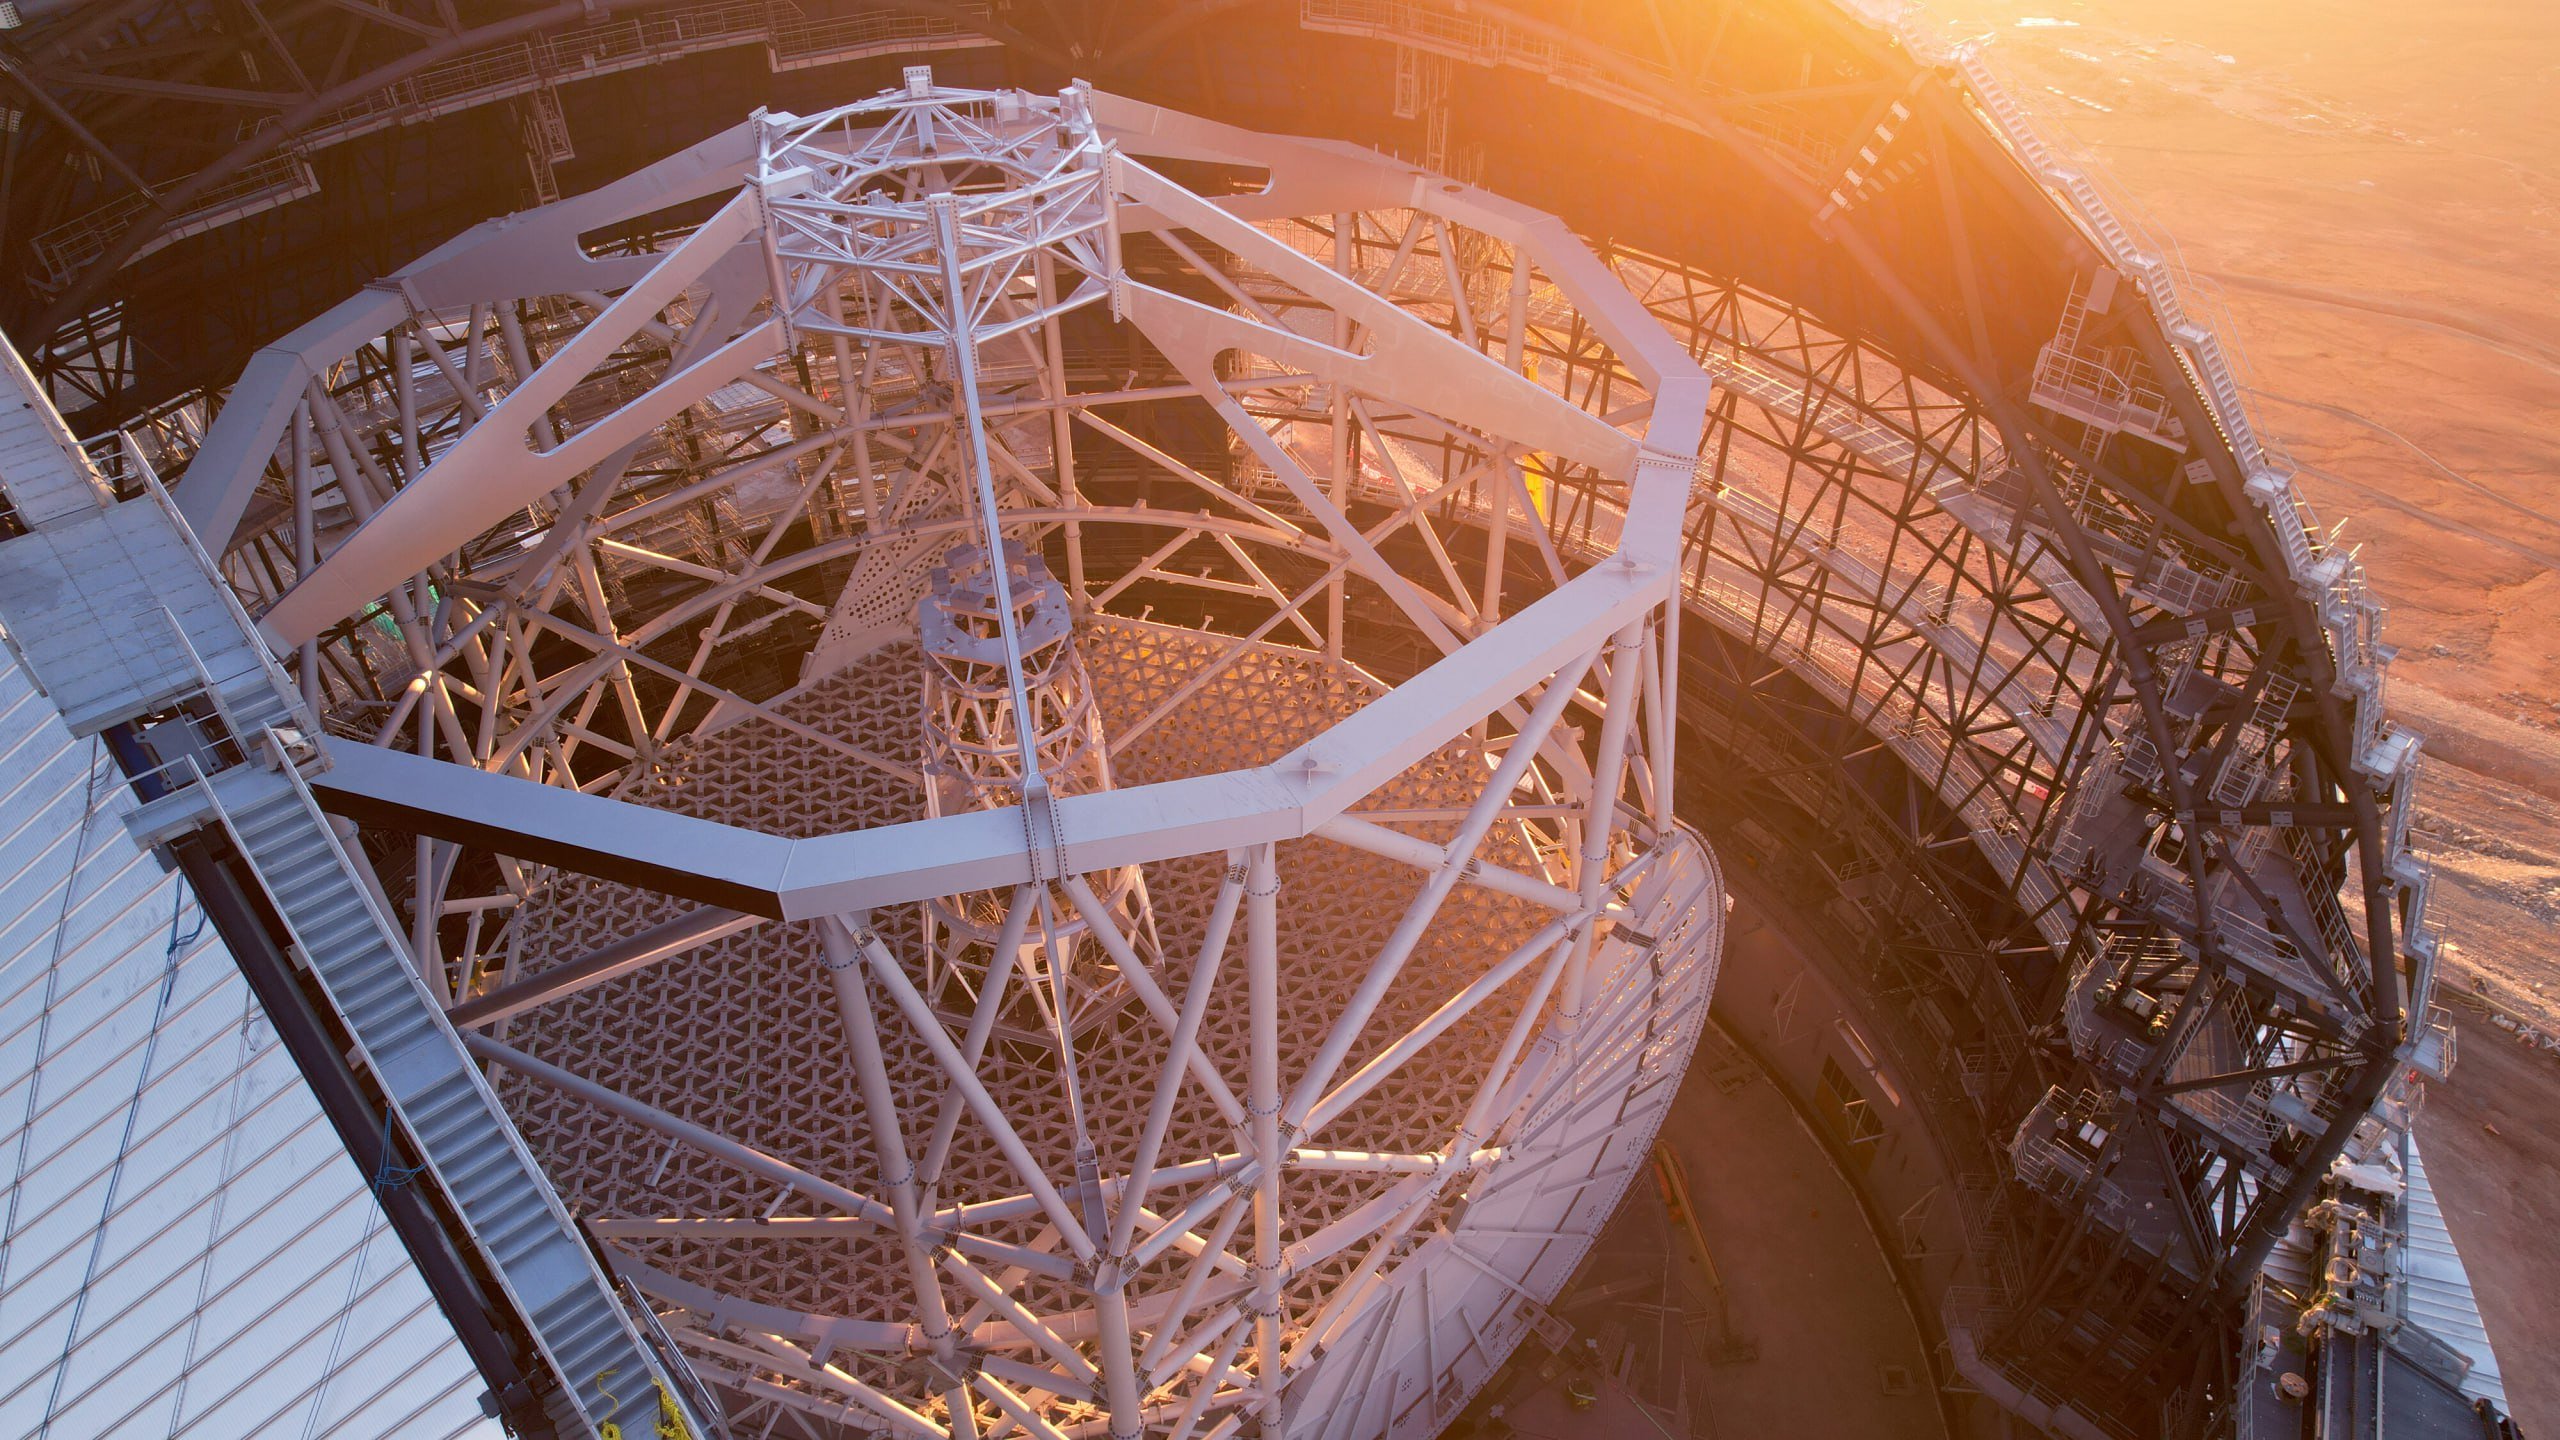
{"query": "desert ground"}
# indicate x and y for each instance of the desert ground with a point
(2373, 190)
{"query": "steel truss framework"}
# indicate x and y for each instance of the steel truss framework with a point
(2228, 1025)
(1842, 539)
(1025, 1159)
(2124, 667)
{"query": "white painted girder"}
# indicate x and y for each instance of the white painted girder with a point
(513, 257)
(982, 850)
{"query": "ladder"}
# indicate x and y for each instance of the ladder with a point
(2246, 770)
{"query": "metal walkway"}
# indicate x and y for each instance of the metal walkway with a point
(117, 613)
(442, 1100)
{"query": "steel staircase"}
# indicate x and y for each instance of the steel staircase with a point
(514, 1217)
(120, 614)
(2012, 119)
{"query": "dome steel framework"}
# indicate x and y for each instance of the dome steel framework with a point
(1404, 531)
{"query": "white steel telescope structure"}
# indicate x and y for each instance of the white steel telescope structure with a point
(1005, 758)
(987, 943)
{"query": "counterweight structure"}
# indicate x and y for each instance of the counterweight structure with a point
(1257, 1032)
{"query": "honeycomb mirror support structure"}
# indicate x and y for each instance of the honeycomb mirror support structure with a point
(1124, 909)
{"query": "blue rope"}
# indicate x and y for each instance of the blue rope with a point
(44, 1016)
(124, 1147)
(178, 942)
(214, 1235)
(338, 1332)
(387, 1176)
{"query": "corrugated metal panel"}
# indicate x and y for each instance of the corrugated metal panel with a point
(2438, 1289)
(185, 1249)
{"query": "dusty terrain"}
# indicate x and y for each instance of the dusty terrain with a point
(2374, 191)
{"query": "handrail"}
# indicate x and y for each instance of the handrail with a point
(2213, 361)
(290, 767)
(388, 933)
(2153, 259)
(204, 674)
(276, 679)
(706, 1402)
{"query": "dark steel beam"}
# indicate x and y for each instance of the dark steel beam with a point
(659, 942)
(491, 1335)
